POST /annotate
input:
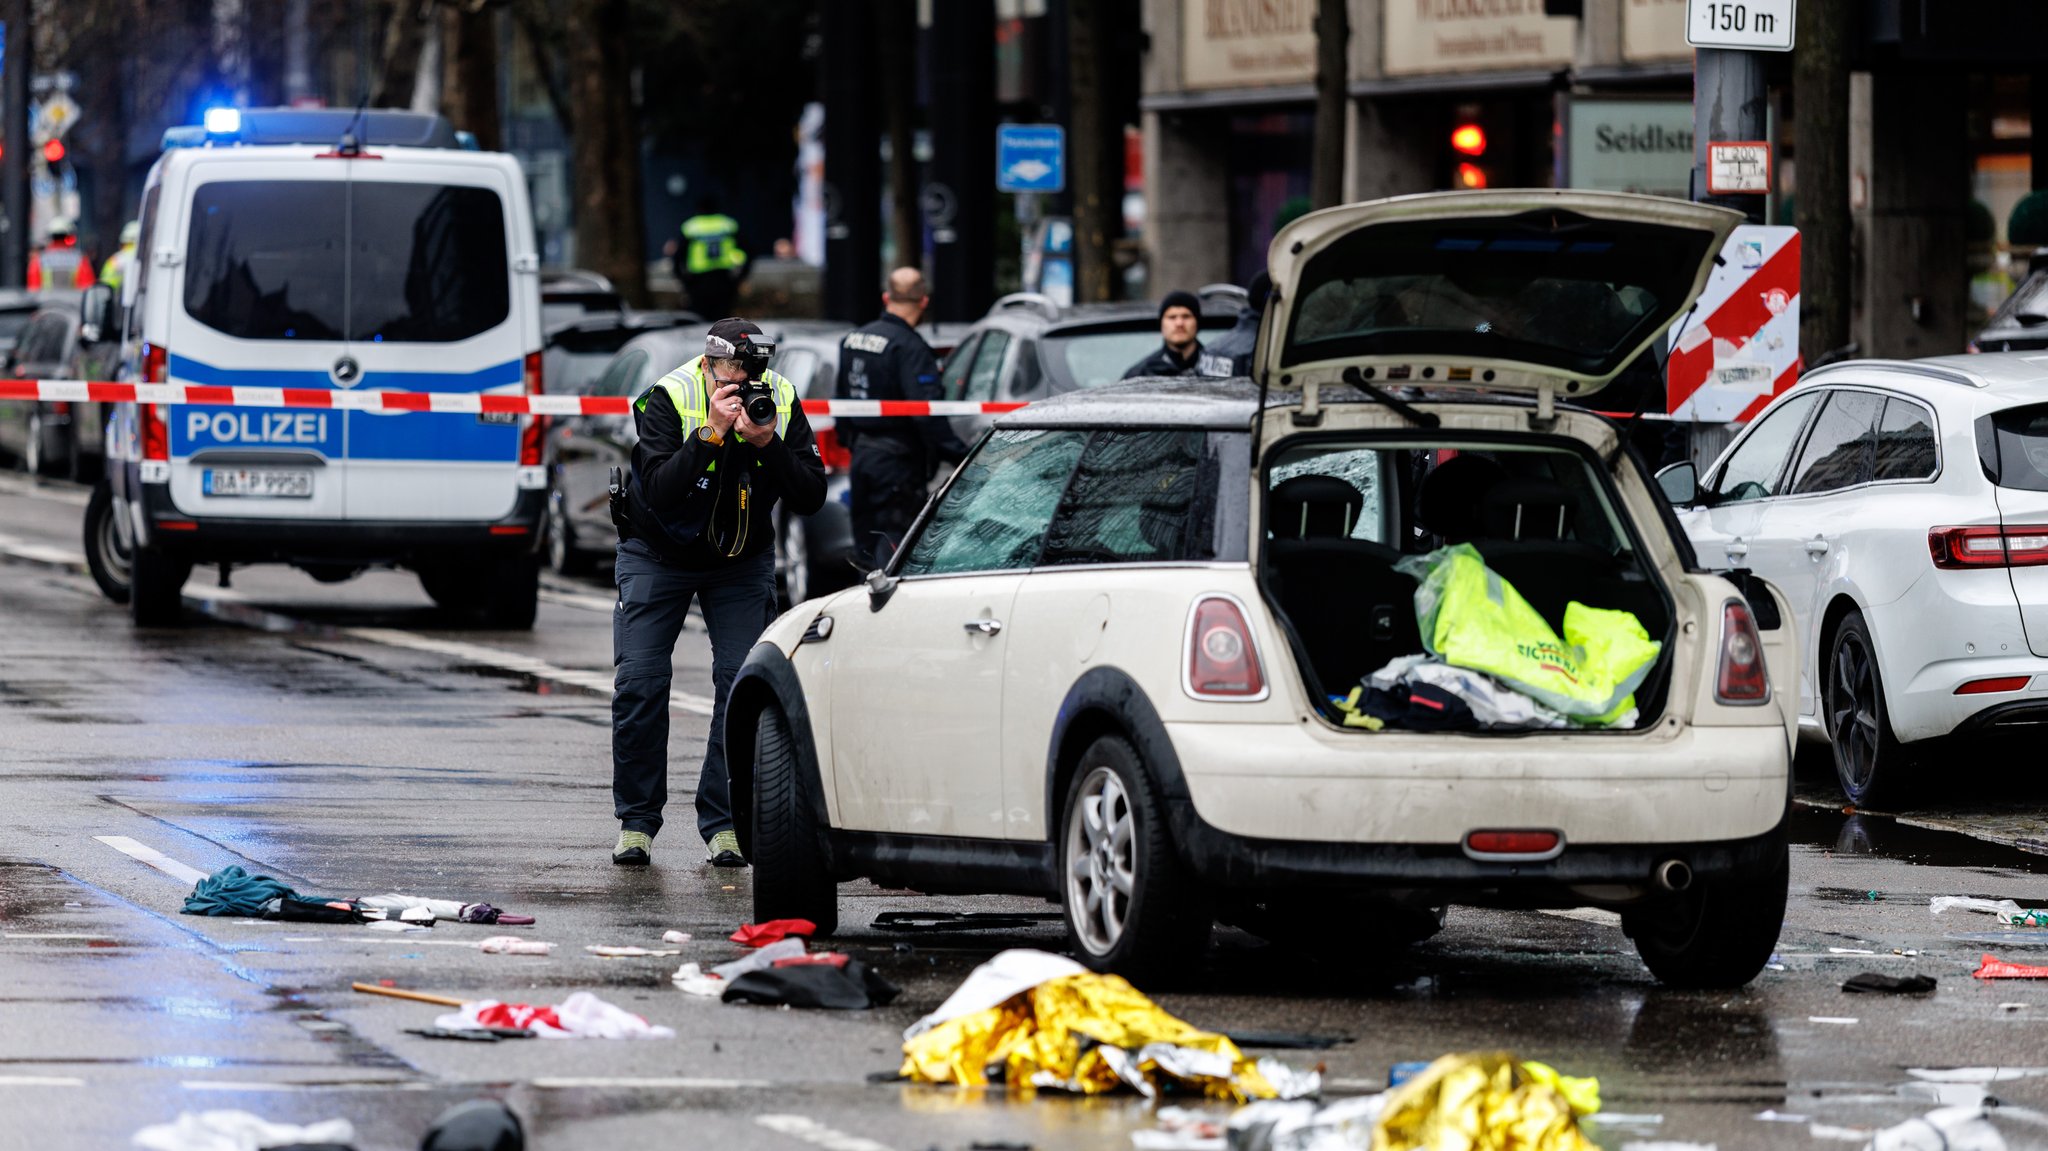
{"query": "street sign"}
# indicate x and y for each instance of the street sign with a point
(1031, 158)
(1757, 25)
(54, 117)
(1739, 345)
(1736, 167)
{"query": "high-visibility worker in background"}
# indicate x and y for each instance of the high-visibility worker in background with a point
(711, 263)
(115, 270)
(59, 265)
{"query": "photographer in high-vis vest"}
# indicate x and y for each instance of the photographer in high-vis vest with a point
(722, 439)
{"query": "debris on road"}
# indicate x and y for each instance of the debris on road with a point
(1053, 1024)
(241, 1131)
(1992, 967)
(1945, 1129)
(513, 945)
(940, 921)
(762, 934)
(630, 952)
(478, 1125)
(761, 959)
(675, 937)
(581, 1016)
(847, 985)
(233, 891)
(473, 1034)
(394, 926)
(2008, 912)
(690, 979)
(1871, 982)
(1478, 1101)
(1182, 1129)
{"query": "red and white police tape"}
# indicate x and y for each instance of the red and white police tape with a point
(103, 392)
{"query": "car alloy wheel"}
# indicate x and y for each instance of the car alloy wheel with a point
(1102, 860)
(796, 562)
(1853, 720)
(560, 555)
(32, 455)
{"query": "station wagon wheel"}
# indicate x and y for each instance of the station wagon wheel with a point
(1869, 761)
(1131, 907)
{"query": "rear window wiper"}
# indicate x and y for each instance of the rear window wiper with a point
(1408, 411)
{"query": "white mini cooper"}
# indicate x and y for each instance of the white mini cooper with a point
(1112, 663)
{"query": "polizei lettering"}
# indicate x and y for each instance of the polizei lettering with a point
(254, 427)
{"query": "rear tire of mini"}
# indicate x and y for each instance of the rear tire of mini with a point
(1871, 764)
(1719, 933)
(108, 561)
(1130, 905)
(791, 880)
(155, 581)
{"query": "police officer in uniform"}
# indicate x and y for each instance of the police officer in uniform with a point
(1230, 354)
(1180, 352)
(696, 521)
(711, 261)
(895, 458)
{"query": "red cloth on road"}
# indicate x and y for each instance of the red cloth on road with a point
(816, 959)
(1996, 968)
(518, 1015)
(763, 934)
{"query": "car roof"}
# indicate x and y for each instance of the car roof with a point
(1208, 402)
(1985, 382)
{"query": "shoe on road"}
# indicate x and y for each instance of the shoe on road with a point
(725, 850)
(632, 849)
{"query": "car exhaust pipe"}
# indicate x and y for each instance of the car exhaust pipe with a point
(1674, 875)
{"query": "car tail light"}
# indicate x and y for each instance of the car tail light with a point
(1955, 549)
(1995, 684)
(60, 407)
(837, 456)
(1741, 678)
(156, 432)
(533, 433)
(1517, 843)
(1222, 660)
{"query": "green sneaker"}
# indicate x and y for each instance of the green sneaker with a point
(725, 850)
(632, 849)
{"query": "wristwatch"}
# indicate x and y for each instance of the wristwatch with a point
(710, 437)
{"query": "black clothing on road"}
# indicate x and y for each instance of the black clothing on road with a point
(894, 458)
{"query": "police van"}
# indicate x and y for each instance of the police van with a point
(341, 250)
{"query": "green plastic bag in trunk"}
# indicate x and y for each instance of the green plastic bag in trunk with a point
(1472, 618)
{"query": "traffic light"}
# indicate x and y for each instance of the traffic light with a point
(53, 151)
(1469, 139)
(1471, 175)
(1468, 145)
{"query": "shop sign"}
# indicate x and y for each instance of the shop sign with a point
(1653, 30)
(1248, 43)
(1429, 36)
(1619, 145)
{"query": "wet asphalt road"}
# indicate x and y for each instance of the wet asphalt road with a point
(343, 739)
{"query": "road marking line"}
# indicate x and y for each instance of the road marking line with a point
(817, 1134)
(153, 857)
(252, 1085)
(40, 1081)
(569, 1083)
(597, 681)
(578, 599)
(52, 935)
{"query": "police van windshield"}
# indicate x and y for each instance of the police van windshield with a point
(323, 260)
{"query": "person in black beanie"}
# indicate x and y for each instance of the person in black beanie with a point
(1180, 353)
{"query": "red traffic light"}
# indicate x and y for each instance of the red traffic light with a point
(1469, 139)
(1471, 176)
(53, 152)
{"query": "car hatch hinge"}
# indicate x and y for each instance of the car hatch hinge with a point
(1544, 417)
(1310, 413)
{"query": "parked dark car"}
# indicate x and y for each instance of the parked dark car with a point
(2021, 323)
(577, 352)
(60, 437)
(812, 553)
(570, 294)
(1028, 347)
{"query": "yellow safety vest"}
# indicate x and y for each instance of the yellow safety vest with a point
(689, 390)
(713, 245)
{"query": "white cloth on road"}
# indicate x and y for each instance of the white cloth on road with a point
(237, 1131)
(1010, 973)
(1948, 1129)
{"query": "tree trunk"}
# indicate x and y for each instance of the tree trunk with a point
(1333, 71)
(541, 39)
(609, 232)
(1820, 71)
(1097, 197)
(897, 33)
(399, 62)
(469, 38)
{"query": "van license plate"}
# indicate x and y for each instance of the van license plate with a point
(275, 483)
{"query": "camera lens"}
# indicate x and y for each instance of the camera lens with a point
(761, 409)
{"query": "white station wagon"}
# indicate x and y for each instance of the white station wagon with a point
(1114, 662)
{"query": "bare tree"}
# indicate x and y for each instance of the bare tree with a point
(1097, 184)
(542, 33)
(1333, 68)
(398, 62)
(896, 32)
(610, 235)
(1820, 77)
(469, 94)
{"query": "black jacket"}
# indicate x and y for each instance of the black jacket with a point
(1164, 363)
(1230, 354)
(684, 501)
(887, 360)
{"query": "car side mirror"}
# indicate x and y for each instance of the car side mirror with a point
(95, 311)
(1680, 483)
(881, 585)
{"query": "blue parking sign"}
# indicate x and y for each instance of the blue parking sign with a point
(1031, 158)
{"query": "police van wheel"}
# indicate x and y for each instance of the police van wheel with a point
(155, 581)
(512, 594)
(105, 556)
(790, 877)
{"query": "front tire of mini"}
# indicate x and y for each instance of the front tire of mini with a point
(108, 561)
(1131, 907)
(790, 877)
(1717, 935)
(155, 583)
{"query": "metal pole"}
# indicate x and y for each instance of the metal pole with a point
(14, 70)
(1729, 102)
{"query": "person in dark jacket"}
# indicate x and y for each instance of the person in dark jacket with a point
(696, 521)
(894, 458)
(1231, 353)
(1180, 352)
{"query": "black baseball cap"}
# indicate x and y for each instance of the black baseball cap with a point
(727, 336)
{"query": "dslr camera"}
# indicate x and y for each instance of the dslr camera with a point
(756, 394)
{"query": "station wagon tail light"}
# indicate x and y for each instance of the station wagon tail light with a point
(1741, 678)
(155, 430)
(1222, 661)
(1995, 685)
(1958, 549)
(533, 434)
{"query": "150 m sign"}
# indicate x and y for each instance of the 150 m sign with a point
(1757, 25)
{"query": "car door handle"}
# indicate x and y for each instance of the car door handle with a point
(1816, 547)
(984, 626)
(1738, 551)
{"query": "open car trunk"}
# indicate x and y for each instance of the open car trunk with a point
(1345, 512)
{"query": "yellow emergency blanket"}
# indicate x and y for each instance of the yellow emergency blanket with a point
(1487, 1102)
(1085, 1033)
(1470, 617)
